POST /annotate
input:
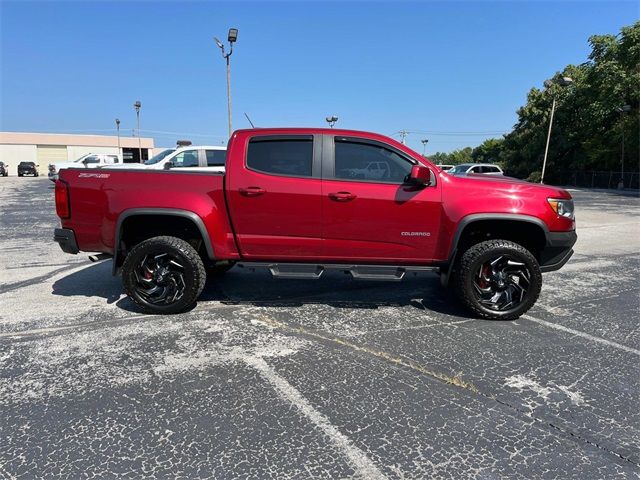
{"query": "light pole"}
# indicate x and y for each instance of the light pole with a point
(232, 37)
(622, 110)
(564, 81)
(331, 120)
(424, 142)
(137, 106)
(118, 130)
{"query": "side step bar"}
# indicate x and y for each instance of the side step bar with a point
(315, 270)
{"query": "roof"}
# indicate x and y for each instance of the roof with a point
(34, 138)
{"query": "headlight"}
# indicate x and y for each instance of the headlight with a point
(562, 207)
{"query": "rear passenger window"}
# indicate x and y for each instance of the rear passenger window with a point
(216, 158)
(291, 156)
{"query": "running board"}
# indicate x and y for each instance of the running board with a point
(314, 271)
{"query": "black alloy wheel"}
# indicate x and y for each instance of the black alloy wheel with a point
(163, 275)
(498, 279)
(160, 279)
(502, 283)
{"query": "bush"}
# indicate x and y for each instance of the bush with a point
(534, 177)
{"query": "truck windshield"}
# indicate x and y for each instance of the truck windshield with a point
(160, 156)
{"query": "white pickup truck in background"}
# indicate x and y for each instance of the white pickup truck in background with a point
(90, 160)
(192, 158)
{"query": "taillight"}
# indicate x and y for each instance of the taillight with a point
(63, 209)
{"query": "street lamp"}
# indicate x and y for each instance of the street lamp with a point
(424, 142)
(331, 120)
(564, 81)
(622, 110)
(231, 37)
(118, 130)
(137, 106)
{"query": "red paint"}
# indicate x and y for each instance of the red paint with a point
(303, 219)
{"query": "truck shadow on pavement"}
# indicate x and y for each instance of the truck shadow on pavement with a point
(245, 287)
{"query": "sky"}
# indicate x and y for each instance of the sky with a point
(453, 72)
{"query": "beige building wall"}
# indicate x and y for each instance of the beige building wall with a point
(14, 154)
(16, 147)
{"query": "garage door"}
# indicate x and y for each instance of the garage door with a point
(51, 154)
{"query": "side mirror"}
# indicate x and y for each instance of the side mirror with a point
(167, 166)
(421, 175)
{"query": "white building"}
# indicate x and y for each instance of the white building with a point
(46, 148)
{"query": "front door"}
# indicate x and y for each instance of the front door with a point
(370, 213)
(275, 199)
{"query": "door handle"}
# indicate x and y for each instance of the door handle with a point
(251, 191)
(342, 196)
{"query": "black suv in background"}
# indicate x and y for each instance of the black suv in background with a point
(4, 169)
(27, 168)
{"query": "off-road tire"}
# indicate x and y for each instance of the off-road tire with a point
(194, 273)
(471, 260)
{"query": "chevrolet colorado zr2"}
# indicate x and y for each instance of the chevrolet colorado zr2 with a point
(288, 202)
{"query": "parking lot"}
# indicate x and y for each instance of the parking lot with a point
(333, 378)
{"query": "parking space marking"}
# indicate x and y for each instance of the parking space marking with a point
(455, 380)
(362, 464)
(584, 335)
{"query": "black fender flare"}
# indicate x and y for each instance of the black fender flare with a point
(476, 217)
(176, 212)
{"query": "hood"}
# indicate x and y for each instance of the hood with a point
(499, 183)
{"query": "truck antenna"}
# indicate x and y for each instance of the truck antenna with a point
(252, 125)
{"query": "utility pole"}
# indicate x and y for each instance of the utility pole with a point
(118, 130)
(622, 110)
(564, 81)
(403, 134)
(231, 37)
(137, 106)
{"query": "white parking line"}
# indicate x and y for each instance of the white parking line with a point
(584, 335)
(362, 464)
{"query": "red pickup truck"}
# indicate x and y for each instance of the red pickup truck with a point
(301, 201)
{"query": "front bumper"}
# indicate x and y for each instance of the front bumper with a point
(557, 251)
(66, 239)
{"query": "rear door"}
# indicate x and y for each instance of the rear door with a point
(370, 214)
(274, 197)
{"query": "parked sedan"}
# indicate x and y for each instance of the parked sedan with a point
(27, 168)
(4, 169)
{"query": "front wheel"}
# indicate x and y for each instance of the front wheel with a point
(163, 275)
(498, 279)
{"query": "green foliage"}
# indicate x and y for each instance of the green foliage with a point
(534, 177)
(587, 128)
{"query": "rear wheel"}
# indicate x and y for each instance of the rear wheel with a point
(498, 279)
(163, 275)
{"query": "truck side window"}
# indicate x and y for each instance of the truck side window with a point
(216, 158)
(188, 158)
(364, 161)
(287, 156)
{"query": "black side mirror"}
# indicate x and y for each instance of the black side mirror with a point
(167, 165)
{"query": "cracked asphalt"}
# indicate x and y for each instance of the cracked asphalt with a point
(332, 378)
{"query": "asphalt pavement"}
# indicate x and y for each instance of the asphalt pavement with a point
(332, 378)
